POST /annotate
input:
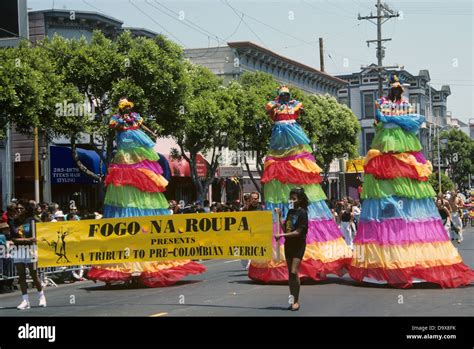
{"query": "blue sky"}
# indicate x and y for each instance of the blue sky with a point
(430, 34)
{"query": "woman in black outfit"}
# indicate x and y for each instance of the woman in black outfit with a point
(445, 215)
(295, 228)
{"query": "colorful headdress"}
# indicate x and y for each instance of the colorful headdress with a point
(394, 81)
(124, 103)
(283, 89)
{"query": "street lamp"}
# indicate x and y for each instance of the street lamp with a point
(439, 157)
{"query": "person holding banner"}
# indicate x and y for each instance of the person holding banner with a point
(294, 229)
(24, 256)
(135, 187)
(290, 163)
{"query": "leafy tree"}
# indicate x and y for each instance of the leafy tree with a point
(332, 128)
(446, 182)
(150, 72)
(459, 153)
(256, 90)
(208, 123)
(30, 88)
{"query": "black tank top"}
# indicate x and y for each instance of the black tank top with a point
(443, 214)
(345, 216)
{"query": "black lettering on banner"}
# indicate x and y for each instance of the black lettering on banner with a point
(192, 223)
(228, 221)
(205, 224)
(214, 224)
(133, 228)
(106, 256)
(158, 253)
(198, 251)
(169, 227)
(93, 228)
(118, 231)
(107, 229)
(244, 224)
(246, 251)
(156, 226)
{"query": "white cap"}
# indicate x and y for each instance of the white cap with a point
(59, 214)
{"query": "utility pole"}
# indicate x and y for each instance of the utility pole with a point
(36, 159)
(321, 54)
(384, 13)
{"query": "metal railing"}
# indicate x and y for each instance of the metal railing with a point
(8, 272)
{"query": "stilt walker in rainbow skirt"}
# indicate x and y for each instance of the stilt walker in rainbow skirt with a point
(401, 238)
(135, 188)
(290, 164)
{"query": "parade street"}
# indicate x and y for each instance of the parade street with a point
(225, 290)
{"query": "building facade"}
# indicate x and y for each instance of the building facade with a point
(362, 91)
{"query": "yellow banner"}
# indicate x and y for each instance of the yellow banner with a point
(236, 235)
(356, 165)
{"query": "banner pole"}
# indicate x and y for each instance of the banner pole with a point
(276, 229)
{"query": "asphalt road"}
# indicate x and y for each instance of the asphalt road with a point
(225, 290)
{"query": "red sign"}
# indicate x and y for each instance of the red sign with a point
(181, 168)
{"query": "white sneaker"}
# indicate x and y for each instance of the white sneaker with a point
(23, 305)
(42, 301)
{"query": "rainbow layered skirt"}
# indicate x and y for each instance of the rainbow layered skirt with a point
(135, 188)
(400, 237)
(290, 164)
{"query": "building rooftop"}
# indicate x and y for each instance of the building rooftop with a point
(141, 32)
(252, 46)
(93, 19)
(80, 15)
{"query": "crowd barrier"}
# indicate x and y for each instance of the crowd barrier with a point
(8, 272)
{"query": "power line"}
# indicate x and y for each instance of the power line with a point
(200, 29)
(192, 25)
(267, 25)
(224, 40)
(205, 54)
(359, 3)
(246, 24)
(95, 8)
(158, 24)
(325, 10)
(449, 6)
(340, 8)
(384, 13)
(438, 14)
(236, 28)
(309, 43)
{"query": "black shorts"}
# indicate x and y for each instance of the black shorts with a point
(294, 249)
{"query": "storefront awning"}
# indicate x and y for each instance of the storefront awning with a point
(64, 169)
